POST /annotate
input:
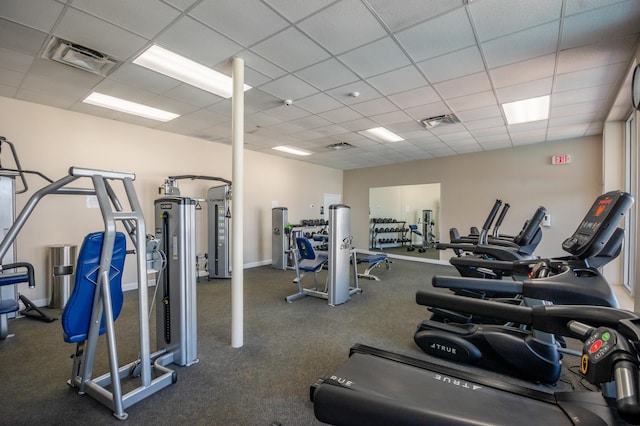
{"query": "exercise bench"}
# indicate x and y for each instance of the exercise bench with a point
(8, 306)
(374, 261)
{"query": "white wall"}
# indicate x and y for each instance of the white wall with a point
(51, 140)
(470, 183)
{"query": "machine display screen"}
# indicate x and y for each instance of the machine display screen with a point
(598, 225)
(598, 213)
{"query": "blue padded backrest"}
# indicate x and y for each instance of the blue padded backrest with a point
(305, 248)
(77, 312)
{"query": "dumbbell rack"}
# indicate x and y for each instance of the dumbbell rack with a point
(388, 232)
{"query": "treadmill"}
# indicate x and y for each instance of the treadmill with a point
(377, 387)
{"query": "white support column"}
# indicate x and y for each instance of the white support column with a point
(237, 264)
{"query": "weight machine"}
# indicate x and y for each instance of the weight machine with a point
(340, 259)
(219, 222)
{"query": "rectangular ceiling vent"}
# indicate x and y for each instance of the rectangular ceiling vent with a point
(78, 56)
(430, 123)
(339, 146)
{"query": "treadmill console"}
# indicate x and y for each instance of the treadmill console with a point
(598, 225)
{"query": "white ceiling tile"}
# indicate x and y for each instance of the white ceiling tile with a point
(38, 14)
(415, 97)
(194, 40)
(521, 72)
(564, 132)
(295, 10)
(327, 75)
(261, 100)
(493, 132)
(310, 122)
(570, 120)
(446, 33)
(495, 144)
(86, 30)
(493, 20)
(343, 26)
(192, 95)
(590, 77)
(531, 89)
(359, 124)
(587, 94)
(414, 11)
(318, 103)
(181, 4)
(15, 61)
(258, 63)
(135, 75)
(340, 115)
(486, 123)
(430, 110)
(600, 24)
(287, 113)
(365, 93)
(20, 38)
(521, 46)
(289, 87)
(374, 107)
(391, 118)
(435, 42)
(485, 112)
(62, 74)
(8, 92)
(398, 81)
(143, 17)
(474, 101)
(596, 55)
(11, 78)
(375, 58)
(467, 85)
(452, 65)
(232, 19)
(291, 50)
(574, 109)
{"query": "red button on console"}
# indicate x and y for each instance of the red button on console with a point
(596, 345)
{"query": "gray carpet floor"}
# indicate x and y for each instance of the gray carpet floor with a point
(287, 346)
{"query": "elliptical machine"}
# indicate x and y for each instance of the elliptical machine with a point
(512, 348)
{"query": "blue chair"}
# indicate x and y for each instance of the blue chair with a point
(76, 316)
(307, 261)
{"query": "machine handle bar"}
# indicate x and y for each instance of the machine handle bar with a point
(549, 318)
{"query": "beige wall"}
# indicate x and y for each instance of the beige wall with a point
(51, 140)
(470, 183)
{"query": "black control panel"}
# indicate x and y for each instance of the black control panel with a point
(598, 225)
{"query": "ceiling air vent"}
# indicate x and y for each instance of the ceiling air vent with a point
(340, 146)
(77, 56)
(430, 123)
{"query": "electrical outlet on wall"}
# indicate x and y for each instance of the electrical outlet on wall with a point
(547, 220)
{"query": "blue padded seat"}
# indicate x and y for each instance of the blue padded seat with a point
(311, 261)
(76, 317)
(8, 306)
(11, 305)
(373, 260)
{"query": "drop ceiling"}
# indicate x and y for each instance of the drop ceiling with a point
(407, 59)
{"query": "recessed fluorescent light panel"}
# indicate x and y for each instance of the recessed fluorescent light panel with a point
(117, 104)
(175, 66)
(381, 134)
(290, 150)
(533, 109)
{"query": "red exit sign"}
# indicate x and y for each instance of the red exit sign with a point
(561, 159)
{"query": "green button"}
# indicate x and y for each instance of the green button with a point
(606, 336)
